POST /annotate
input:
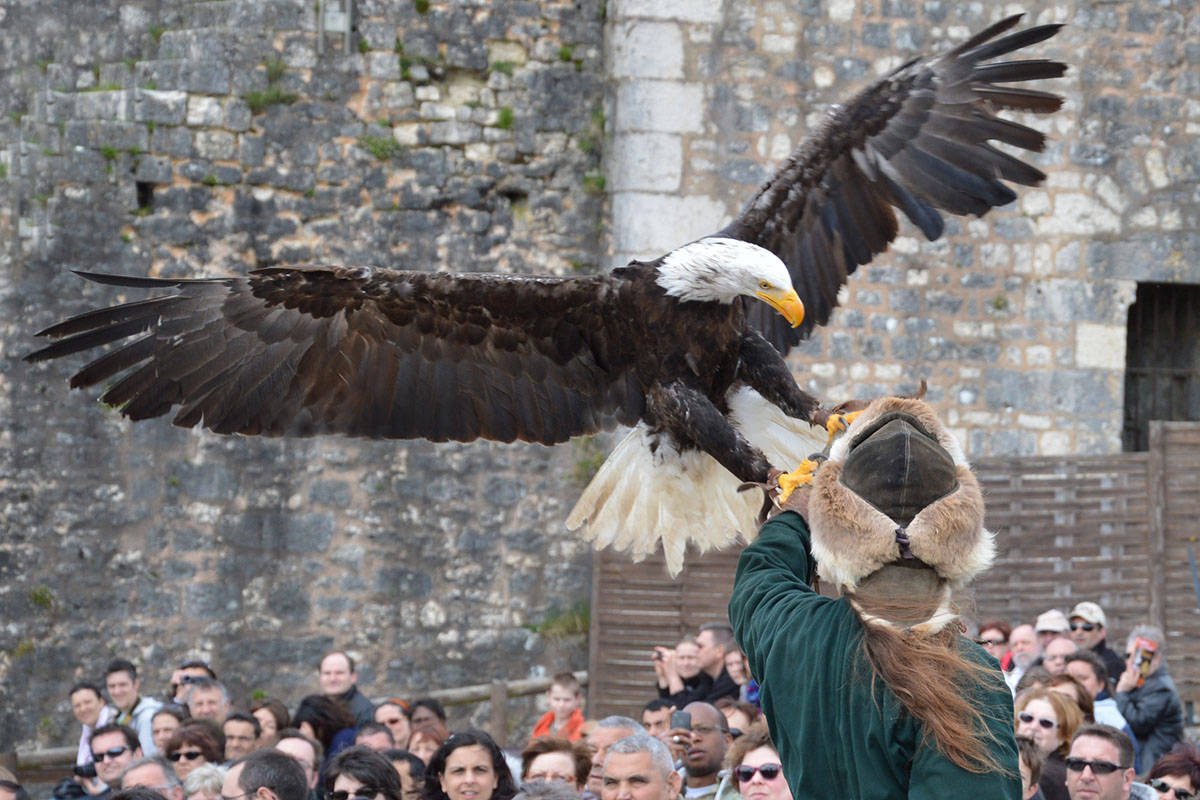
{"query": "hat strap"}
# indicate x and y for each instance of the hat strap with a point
(904, 542)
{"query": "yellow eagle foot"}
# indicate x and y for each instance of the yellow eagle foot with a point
(800, 476)
(838, 423)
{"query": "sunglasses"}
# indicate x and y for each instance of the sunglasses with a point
(390, 722)
(745, 772)
(112, 752)
(361, 793)
(1083, 626)
(992, 642)
(1160, 786)
(1027, 718)
(187, 755)
(1098, 767)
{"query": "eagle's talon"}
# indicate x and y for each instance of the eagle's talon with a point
(800, 476)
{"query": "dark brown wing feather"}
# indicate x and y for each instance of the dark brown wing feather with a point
(365, 352)
(917, 140)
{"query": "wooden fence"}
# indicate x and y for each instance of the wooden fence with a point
(1121, 530)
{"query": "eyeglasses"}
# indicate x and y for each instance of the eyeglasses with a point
(390, 722)
(1161, 786)
(992, 642)
(705, 730)
(189, 755)
(1027, 718)
(361, 793)
(1083, 626)
(1098, 767)
(112, 752)
(550, 776)
(745, 773)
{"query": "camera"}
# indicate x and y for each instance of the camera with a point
(186, 679)
(681, 719)
(85, 770)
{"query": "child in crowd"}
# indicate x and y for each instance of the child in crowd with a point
(565, 717)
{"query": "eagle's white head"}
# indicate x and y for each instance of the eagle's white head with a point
(719, 270)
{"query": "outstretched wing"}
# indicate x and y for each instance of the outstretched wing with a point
(917, 140)
(363, 352)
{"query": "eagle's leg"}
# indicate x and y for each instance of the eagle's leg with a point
(836, 424)
(693, 419)
(764, 370)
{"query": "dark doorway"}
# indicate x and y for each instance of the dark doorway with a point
(1162, 359)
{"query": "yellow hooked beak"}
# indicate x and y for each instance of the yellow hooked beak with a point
(787, 303)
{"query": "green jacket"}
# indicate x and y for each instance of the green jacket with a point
(838, 738)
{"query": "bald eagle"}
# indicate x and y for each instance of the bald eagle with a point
(687, 349)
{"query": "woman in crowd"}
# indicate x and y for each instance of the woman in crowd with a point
(424, 743)
(1050, 719)
(469, 765)
(193, 745)
(754, 763)
(739, 714)
(164, 723)
(551, 758)
(204, 783)
(993, 637)
(272, 716)
(393, 713)
(360, 772)
(1176, 776)
(329, 722)
(427, 714)
(1075, 690)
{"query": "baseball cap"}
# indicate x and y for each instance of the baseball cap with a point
(1089, 612)
(1052, 620)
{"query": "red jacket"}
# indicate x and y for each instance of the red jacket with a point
(572, 731)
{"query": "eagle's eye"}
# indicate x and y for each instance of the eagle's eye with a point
(764, 284)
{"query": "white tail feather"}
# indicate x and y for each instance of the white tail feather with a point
(647, 491)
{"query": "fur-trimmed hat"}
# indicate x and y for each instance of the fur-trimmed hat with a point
(896, 509)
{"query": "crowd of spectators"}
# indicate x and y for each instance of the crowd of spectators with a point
(701, 733)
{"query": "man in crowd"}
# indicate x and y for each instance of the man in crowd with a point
(1051, 625)
(639, 766)
(705, 745)
(1023, 645)
(1055, 654)
(124, 687)
(338, 680)
(305, 751)
(1153, 709)
(1100, 765)
(186, 674)
(153, 772)
(1087, 630)
(10, 789)
(714, 640)
(606, 733)
(242, 732)
(88, 706)
(679, 677)
(376, 736)
(265, 775)
(207, 699)
(114, 747)
(656, 716)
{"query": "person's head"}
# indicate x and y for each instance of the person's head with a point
(656, 716)
(639, 767)
(1176, 775)
(136, 793)
(1150, 633)
(86, 703)
(549, 758)
(114, 747)
(410, 769)
(1090, 670)
(1054, 654)
(164, 723)
(242, 734)
(321, 717)
(207, 699)
(191, 746)
(155, 773)
(9, 788)
(756, 766)
(304, 750)
(993, 637)
(427, 714)
(394, 714)
(272, 716)
(469, 766)
(336, 673)
(1031, 764)
(1049, 718)
(363, 773)
(687, 658)
(424, 743)
(265, 774)
(714, 640)
(376, 736)
(121, 681)
(1099, 764)
(1075, 691)
(735, 665)
(1023, 644)
(739, 715)
(1033, 678)
(1051, 625)
(710, 741)
(601, 737)
(546, 790)
(565, 696)
(1087, 623)
(204, 782)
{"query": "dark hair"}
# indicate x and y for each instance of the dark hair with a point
(752, 738)
(1093, 660)
(342, 653)
(173, 709)
(16, 788)
(416, 767)
(721, 632)
(196, 663)
(326, 716)
(1083, 698)
(121, 665)
(242, 716)
(131, 737)
(137, 793)
(1033, 758)
(198, 736)
(276, 709)
(658, 704)
(1183, 760)
(568, 681)
(277, 771)
(1112, 735)
(375, 727)
(79, 687)
(1036, 675)
(505, 786)
(580, 753)
(368, 767)
(296, 733)
(432, 704)
(996, 625)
